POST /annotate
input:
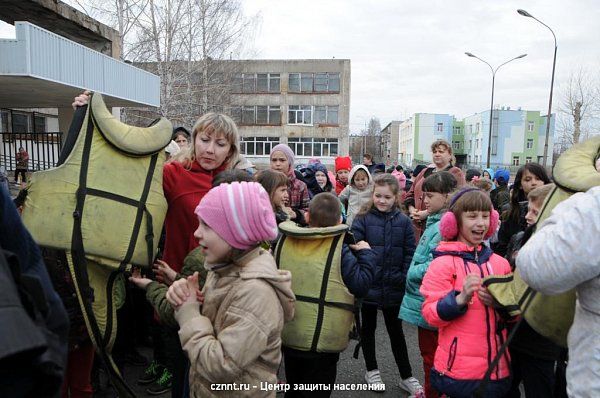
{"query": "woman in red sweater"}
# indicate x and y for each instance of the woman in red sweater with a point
(188, 176)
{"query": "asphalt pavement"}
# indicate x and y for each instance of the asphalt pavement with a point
(350, 370)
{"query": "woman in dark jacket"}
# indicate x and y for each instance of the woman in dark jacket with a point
(390, 234)
(529, 177)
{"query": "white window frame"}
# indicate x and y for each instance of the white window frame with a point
(299, 144)
(457, 130)
(516, 160)
(440, 127)
(456, 145)
(530, 126)
(300, 110)
(529, 143)
(476, 127)
(267, 143)
(528, 159)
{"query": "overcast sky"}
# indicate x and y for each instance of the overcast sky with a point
(408, 56)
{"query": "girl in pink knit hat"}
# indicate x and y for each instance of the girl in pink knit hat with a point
(231, 331)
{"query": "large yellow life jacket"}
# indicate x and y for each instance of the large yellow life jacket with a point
(551, 316)
(324, 308)
(104, 206)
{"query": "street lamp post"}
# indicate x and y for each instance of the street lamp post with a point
(549, 117)
(489, 148)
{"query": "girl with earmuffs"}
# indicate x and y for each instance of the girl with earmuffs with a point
(470, 330)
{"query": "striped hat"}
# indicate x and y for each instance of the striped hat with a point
(240, 213)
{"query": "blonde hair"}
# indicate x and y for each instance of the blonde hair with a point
(212, 123)
(445, 144)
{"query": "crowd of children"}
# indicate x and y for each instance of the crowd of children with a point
(282, 263)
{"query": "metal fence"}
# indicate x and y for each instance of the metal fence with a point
(43, 149)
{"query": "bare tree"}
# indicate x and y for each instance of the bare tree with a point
(578, 110)
(373, 140)
(184, 42)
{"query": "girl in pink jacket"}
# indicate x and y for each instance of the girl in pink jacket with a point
(471, 331)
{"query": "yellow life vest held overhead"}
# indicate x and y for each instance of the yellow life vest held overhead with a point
(324, 311)
(551, 316)
(104, 206)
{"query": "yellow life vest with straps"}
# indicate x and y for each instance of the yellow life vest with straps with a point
(551, 316)
(104, 206)
(324, 308)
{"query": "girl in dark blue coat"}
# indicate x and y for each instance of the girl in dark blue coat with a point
(389, 233)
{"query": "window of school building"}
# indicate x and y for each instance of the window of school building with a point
(257, 146)
(248, 115)
(300, 114)
(324, 82)
(529, 144)
(314, 147)
(257, 83)
(326, 115)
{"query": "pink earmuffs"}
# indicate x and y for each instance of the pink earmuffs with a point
(449, 224)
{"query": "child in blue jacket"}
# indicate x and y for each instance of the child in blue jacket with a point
(390, 234)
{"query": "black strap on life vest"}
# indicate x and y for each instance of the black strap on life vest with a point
(527, 298)
(323, 294)
(80, 263)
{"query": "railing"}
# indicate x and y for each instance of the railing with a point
(45, 55)
(43, 149)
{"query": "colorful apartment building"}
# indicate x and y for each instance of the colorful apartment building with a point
(517, 137)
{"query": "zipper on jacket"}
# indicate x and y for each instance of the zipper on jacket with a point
(487, 320)
(452, 354)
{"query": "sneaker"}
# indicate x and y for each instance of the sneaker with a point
(151, 373)
(413, 387)
(162, 385)
(373, 378)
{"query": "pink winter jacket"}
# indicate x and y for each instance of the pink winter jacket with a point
(468, 338)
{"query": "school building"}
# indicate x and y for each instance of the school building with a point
(518, 137)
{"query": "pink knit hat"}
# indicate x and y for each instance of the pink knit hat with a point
(240, 213)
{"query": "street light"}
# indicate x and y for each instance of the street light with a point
(528, 15)
(489, 149)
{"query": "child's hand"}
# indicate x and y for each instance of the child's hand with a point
(362, 245)
(485, 297)
(421, 215)
(164, 273)
(183, 291)
(137, 279)
(290, 212)
(471, 285)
